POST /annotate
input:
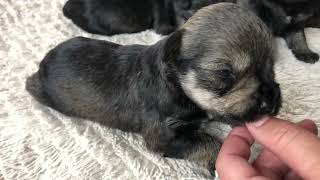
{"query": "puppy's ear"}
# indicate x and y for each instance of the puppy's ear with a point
(170, 46)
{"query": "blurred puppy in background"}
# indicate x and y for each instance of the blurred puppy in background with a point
(109, 17)
(288, 18)
(217, 67)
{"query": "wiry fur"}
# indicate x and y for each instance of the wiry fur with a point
(153, 90)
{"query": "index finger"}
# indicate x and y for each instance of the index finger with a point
(295, 146)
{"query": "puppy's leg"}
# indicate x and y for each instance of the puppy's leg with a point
(164, 17)
(176, 138)
(197, 146)
(205, 151)
(296, 41)
(162, 136)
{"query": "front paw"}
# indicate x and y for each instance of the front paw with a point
(179, 126)
(160, 137)
(308, 57)
(174, 124)
(177, 146)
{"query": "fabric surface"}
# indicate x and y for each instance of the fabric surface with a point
(38, 143)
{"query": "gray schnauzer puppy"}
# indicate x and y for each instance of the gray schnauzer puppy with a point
(217, 67)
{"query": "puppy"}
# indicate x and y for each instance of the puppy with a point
(288, 18)
(303, 14)
(109, 17)
(218, 67)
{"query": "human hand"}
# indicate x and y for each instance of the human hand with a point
(291, 151)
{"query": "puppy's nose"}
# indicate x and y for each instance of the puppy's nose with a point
(271, 99)
(265, 108)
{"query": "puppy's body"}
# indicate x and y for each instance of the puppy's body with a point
(220, 63)
(110, 17)
(124, 87)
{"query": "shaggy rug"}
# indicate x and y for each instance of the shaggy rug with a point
(38, 143)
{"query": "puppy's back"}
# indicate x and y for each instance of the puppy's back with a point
(59, 79)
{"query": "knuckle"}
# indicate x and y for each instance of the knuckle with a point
(283, 136)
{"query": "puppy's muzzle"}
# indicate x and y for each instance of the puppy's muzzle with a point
(269, 101)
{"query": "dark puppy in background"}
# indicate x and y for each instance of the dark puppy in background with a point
(288, 18)
(109, 17)
(218, 67)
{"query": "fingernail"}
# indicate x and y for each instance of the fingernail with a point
(261, 121)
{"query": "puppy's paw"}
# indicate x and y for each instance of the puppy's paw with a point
(178, 144)
(308, 57)
(174, 124)
(171, 137)
(165, 29)
(179, 126)
(160, 137)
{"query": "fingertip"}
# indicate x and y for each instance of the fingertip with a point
(243, 133)
(259, 122)
(309, 121)
(309, 125)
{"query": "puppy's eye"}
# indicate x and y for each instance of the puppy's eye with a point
(224, 73)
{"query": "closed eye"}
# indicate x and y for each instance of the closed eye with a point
(224, 74)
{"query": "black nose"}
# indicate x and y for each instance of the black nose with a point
(270, 98)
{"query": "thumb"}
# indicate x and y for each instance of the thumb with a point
(295, 146)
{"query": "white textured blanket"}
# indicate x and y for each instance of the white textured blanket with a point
(39, 143)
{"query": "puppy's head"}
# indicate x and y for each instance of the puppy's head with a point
(226, 63)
